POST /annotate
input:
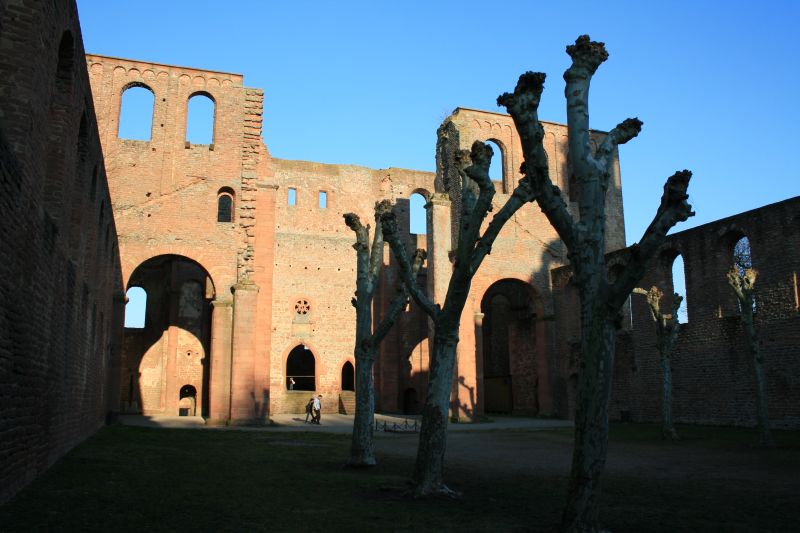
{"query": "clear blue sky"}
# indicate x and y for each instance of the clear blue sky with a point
(716, 83)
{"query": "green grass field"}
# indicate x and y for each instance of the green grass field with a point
(142, 479)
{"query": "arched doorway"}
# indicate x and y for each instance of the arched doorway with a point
(511, 348)
(348, 377)
(411, 404)
(300, 366)
(169, 357)
(187, 404)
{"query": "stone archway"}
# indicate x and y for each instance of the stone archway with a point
(301, 367)
(514, 358)
(171, 352)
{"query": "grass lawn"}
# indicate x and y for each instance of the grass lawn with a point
(132, 478)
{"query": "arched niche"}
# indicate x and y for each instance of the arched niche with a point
(172, 350)
(301, 366)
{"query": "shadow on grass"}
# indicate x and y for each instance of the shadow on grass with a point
(133, 478)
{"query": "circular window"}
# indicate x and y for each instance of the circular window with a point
(302, 307)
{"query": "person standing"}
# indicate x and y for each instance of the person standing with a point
(291, 383)
(317, 409)
(310, 410)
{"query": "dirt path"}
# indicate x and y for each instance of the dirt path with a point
(550, 453)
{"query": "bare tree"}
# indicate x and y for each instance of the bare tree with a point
(667, 327)
(477, 191)
(369, 261)
(600, 300)
(743, 280)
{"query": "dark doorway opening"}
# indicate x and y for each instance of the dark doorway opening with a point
(300, 366)
(348, 376)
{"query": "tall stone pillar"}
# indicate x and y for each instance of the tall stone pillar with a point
(219, 408)
(263, 266)
(479, 390)
(114, 372)
(439, 245)
(243, 393)
(465, 387)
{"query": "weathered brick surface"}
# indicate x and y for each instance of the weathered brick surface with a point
(60, 283)
(222, 313)
(713, 379)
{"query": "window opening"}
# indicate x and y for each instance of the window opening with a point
(679, 287)
(417, 222)
(323, 200)
(743, 260)
(300, 369)
(496, 168)
(135, 308)
(348, 377)
(136, 113)
(292, 196)
(200, 119)
(225, 208)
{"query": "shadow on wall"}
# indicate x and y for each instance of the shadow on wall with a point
(165, 364)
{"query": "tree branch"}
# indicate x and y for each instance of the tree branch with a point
(522, 194)
(478, 172)
(674, 208)
(622, 133)
(376, 254)
(398, 302)
(523, 106)
(361, 246)
(390, 234)
(586, 56)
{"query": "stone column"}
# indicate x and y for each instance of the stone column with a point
(114, 375)
(243, 393)
(479, 390)
(220, 379)
(465, 388)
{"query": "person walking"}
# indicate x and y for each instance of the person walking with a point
(317, 407)
(309, 410)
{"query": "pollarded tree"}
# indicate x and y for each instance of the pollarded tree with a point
(743, 281)
(601, 301)
(667, 327)
(369, 261)
(477, 191)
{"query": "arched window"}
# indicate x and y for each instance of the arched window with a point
(496, 168)
(135, 309)
(200, 119)
(679, 286)
(743, 260)
(187, 402)
(742, 257)
(348, 376)
(136, 113)
(225, 205)
(300, 367)
(417, 218)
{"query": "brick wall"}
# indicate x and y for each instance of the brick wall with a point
(60, 284)
(713, 379)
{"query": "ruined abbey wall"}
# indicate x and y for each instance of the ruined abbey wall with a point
(713, 380)
(61, 306)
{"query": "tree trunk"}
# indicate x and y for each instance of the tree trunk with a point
(362, 448)
(762, 411)
(429, 469)
(668, 427)
(598, 339)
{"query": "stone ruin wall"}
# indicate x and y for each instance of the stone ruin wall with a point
(61, 306)
(713, 379)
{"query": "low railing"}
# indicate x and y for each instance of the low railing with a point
(395, 427)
